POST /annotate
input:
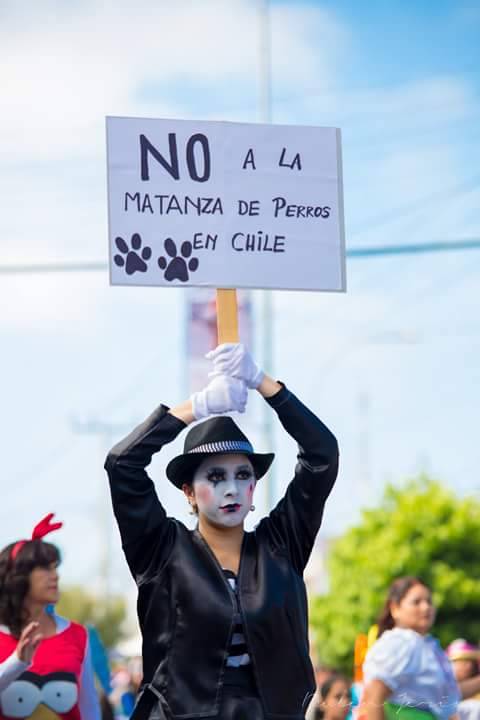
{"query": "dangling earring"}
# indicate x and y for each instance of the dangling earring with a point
(193, 509)
(252, 507)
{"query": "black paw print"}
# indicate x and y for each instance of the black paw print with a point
(133, 261)
(177, 268)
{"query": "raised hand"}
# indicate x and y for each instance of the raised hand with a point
(28, 642)
(222, 394)
(234, 359)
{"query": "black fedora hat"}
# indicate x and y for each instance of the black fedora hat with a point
(215, 436)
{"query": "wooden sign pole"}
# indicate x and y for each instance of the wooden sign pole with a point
(227, 316)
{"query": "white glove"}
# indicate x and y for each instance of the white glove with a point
(234, 359)
(223, 394)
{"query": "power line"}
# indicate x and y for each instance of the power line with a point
(62, 267)
(414, 248)
(351, 253)
(417, 205)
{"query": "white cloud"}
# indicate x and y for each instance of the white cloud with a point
(66, 75)
(432, 100)
(406, 188)
(49, 303)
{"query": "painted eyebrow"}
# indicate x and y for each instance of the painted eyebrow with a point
(219, 469)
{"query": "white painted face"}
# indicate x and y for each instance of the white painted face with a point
(223, 486)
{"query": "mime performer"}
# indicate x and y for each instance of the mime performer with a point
(223, 612)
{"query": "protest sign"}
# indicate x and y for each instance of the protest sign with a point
(225, 205)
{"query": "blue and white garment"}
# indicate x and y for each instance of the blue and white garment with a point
(237, 652)
(416, 670)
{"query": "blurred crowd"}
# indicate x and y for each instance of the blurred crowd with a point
(407, 618)
(338, 697)
(125, 683)
(401, 668)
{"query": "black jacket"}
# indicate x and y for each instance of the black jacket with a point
(186, 606)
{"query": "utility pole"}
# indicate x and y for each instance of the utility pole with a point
(265, 105)
(106, 432)
(355, 253)
(364, 470)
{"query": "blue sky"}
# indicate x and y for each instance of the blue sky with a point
(399, 41)
(392, 365)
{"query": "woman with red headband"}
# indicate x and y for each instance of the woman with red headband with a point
(45, 667)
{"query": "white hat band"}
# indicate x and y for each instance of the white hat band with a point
(223, 446)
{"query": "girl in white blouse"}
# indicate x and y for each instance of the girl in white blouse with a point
(406, 667)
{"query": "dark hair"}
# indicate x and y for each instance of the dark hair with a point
(329, 682)
(15, 579)
(474, 668)
(325, 688)
(106, 707)
(397, 591)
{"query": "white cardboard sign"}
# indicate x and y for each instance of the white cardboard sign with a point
(225, 204)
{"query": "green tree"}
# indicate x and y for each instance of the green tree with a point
(421, 529)
(108, 616)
